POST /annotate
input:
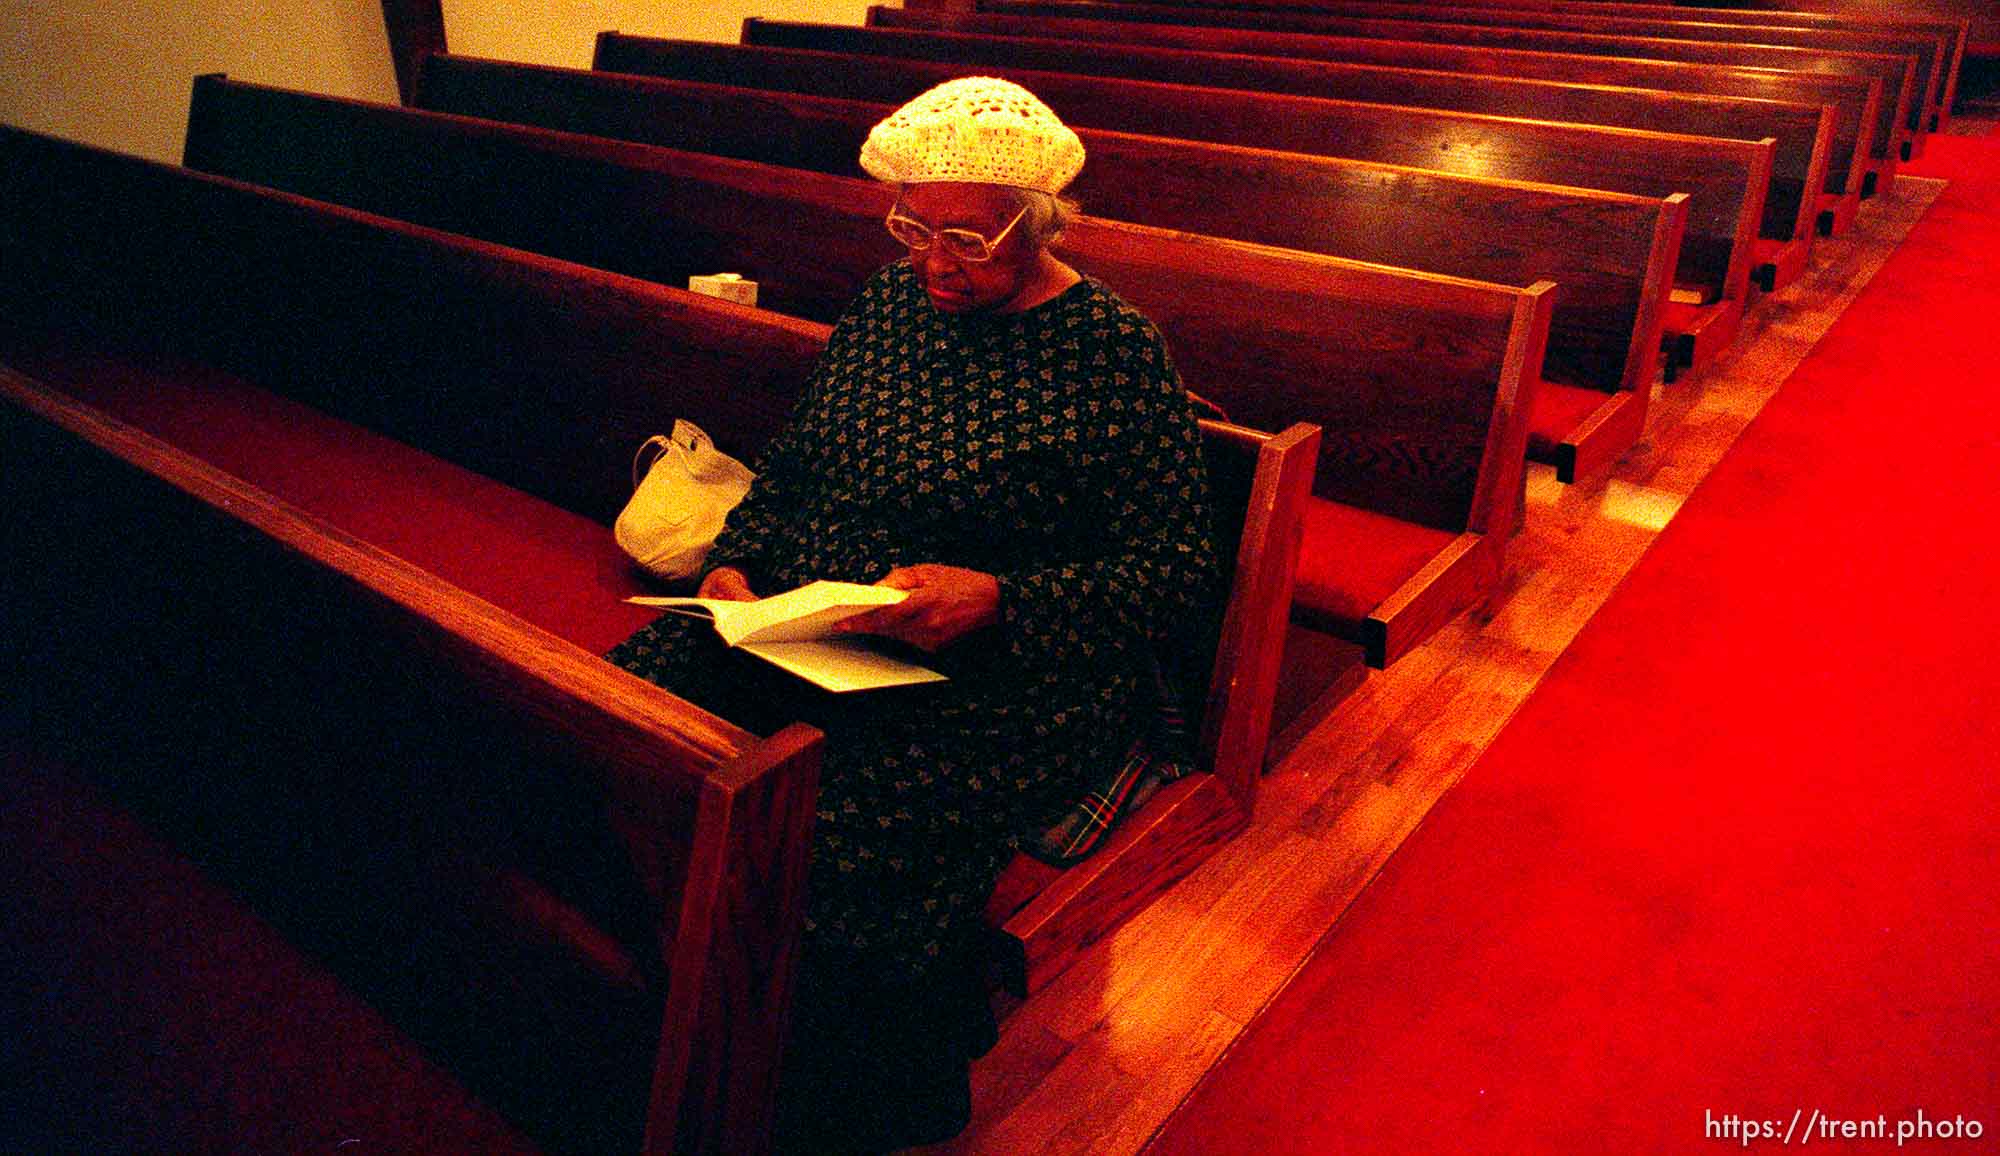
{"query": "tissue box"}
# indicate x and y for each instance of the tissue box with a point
(728, 286)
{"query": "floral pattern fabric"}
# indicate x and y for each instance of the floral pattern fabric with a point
(1053, 448)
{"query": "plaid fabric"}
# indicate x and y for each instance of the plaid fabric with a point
(1156, 758)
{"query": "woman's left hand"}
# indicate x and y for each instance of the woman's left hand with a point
(946, 603)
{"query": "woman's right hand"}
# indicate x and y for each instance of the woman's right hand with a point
(726, 584)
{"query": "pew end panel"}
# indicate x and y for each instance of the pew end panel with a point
(1409, 579)
(1791, 217)
(441, 752)
(1837, 214)
(1496, 505)
(1697, 334)
(1468, 569)
(1698, 326)
(713, 1091)
(1045, 917)
(1581, 436)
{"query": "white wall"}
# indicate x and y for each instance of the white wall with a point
(561, 32)
(117, 73)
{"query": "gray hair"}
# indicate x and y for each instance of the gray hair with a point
(1048, 215)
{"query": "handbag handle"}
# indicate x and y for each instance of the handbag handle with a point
(658, 442)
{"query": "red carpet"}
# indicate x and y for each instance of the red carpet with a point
(1737, 857)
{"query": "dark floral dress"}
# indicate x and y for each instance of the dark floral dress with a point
(1054, 449)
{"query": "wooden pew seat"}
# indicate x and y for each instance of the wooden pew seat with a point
(1565, 415)
(554, 568)
(1355, 560)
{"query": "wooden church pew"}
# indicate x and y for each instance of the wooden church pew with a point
(416, 332)
(264, 666)
(1272, 335)
(404, 688)
(1854, 99)
(1724, 179)
(1802, 133)
(1932, 49)
(1976, 24)
(1611, 255)
(1897, 72)
(1955, 32)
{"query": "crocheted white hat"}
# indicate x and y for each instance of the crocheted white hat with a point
(975, 128)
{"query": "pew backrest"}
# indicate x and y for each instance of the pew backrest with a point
(1898, 72)
(1611, 254)
(467, 349)
(1976, 23)
(1931, 48)
(1406, 372)
(1955, 31)
(1855, 99)
(1803, 132)
(1725, 180)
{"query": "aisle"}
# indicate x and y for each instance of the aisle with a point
(1736, 858)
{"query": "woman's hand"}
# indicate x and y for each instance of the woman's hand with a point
(726, 584)
(946, 603)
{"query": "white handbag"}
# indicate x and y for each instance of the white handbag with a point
(679, 505)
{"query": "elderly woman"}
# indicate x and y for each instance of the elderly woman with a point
(1006, 440)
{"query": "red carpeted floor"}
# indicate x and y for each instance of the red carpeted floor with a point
(1739, 855)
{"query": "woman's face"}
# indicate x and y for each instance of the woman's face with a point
(961, 287)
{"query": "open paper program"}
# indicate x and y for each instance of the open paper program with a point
(793, 631)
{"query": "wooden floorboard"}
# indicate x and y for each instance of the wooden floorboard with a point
(1099, 1060)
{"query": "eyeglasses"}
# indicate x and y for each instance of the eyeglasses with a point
(961, 244)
